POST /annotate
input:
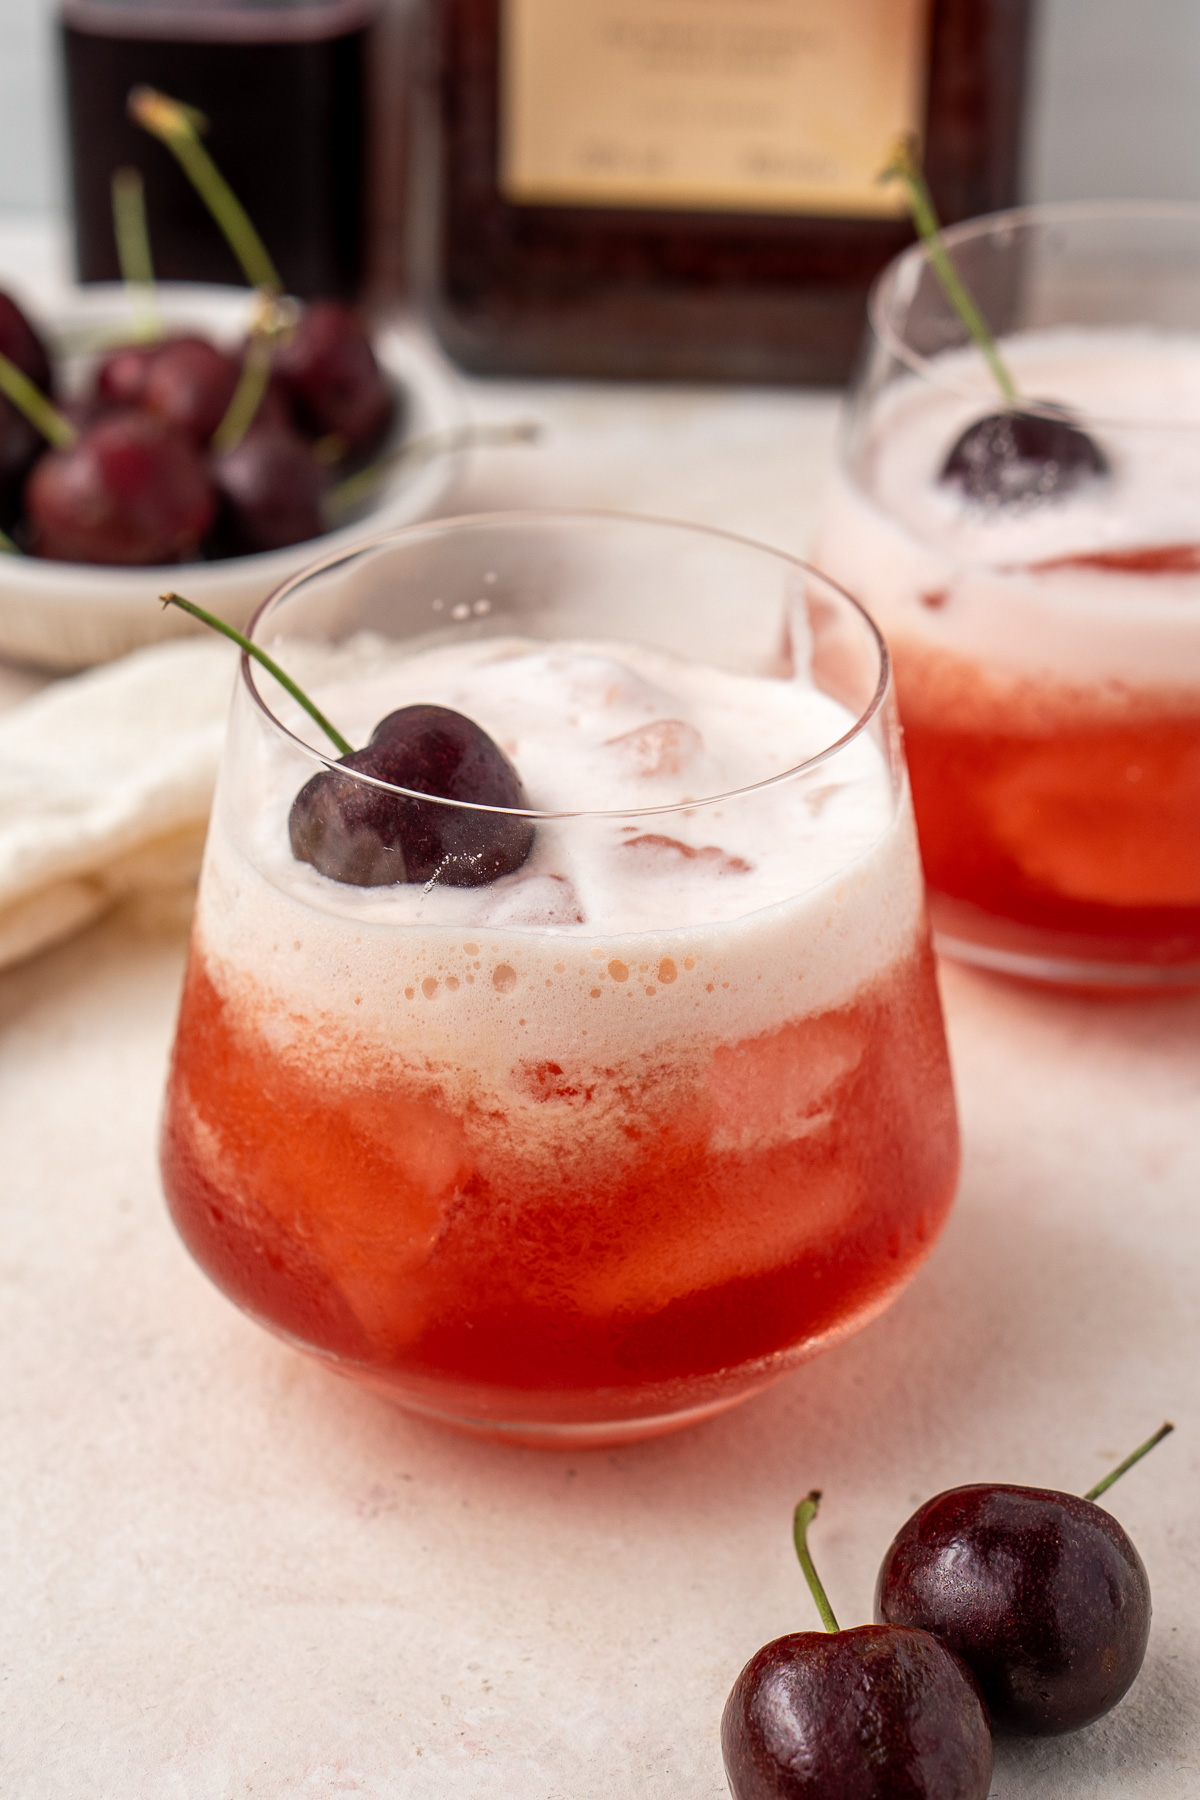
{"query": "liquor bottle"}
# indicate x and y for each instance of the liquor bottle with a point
(688, 188)
(282, 87)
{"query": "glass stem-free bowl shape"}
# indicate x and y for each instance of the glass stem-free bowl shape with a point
(606, 1145)
(1047, 654)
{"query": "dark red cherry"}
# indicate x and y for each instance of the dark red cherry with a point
(20, 442)
(185, 381)
(337, 387)
(271, 487)
(881, 1712)
(120, 379)
(1041, 1593)
(371, 838)
(190, 385)
(20, 446)
(22, 345)
(1012, 458)
(874, 1713)
(130, 490)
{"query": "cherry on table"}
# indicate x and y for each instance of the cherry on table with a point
(128, 491)
(370, 837)
(1014, 458)
(1041, 1593)
(338, 389)
(877, 1712)
(271, 487)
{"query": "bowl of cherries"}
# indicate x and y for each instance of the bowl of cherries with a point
(146, 425)
(122, 481)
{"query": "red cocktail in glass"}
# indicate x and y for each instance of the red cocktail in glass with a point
(1047, 649)
(611, 1142)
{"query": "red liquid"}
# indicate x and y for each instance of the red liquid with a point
(284, 92)
(752, 1204)
(1065, 814)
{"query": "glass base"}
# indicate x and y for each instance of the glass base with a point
(598, 1420)
(602, 1417)
(538, 1434)
(1056, 959)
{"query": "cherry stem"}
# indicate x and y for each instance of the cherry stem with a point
(804, 1515)
(7, 547)
(178, 127)
(1163, 1431)
(275, 319)
(269, 664)
(903, 167)
(30, 400)
(247, 395)
(133, 248)
(359, 487)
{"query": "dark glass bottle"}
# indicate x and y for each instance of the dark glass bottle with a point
(593, 247)
(282, 86)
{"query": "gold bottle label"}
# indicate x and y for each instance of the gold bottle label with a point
(789, 106)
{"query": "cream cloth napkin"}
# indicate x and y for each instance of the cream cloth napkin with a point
(105, 785)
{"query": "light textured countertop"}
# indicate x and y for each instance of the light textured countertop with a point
(225, 1573)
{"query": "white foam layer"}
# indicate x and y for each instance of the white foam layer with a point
(937, 569)
(724, 918)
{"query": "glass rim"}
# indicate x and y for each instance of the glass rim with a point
(1014, 218)
(533, 516)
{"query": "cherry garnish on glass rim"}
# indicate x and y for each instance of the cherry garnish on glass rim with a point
(1041, 1593)
(871, 1713)
(1018, 456)
(370, 837)
(367, 836)
(1014, 458)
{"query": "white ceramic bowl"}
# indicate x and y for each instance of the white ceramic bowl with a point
(70, 615)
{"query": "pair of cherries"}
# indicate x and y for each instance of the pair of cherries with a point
(1012, 1608)
(142, 482)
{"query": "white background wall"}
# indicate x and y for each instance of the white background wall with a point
(1115, 104)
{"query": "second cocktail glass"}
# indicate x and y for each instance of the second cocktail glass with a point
(600, 1146)
(1046, 636)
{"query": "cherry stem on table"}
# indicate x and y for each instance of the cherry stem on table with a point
(29, 399)
(1163, 1431)
(179, 127)
(269, 664)
(903, 167)
(133, 249)
(804, 1515)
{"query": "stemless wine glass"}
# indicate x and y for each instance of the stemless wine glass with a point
(1047, 649)
(606, 1144)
